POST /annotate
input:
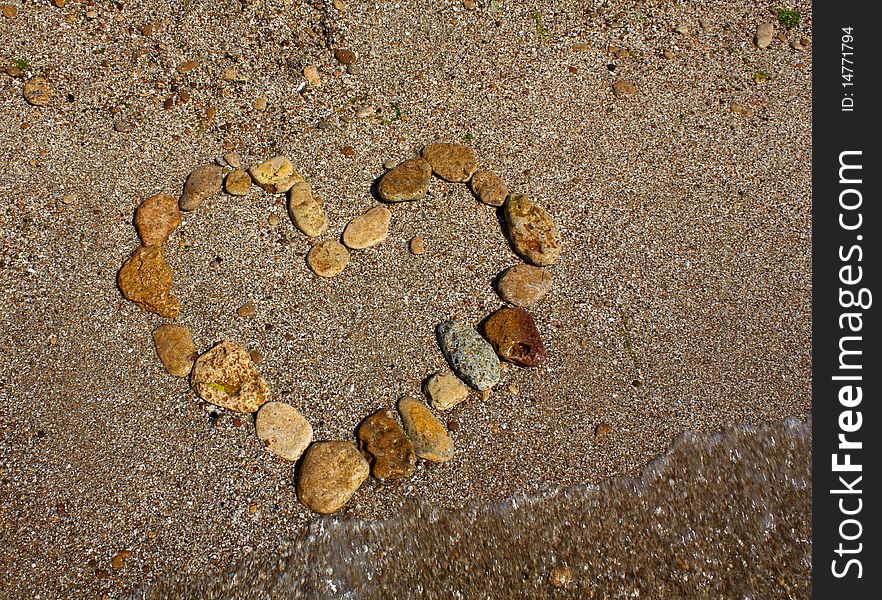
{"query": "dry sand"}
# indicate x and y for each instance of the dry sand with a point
(682, 300)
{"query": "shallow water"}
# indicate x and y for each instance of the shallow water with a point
(721, 515)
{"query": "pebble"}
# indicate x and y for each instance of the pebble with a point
(312, 76)
(353, 69)
(175, 347)
(391, 450)
(328, 258)
(273, 220)
(602, 429)
(407, 181)
(226, 376)
(238, 183)
(123, 126)
(764, 34)
(532, 231)
(469, 355)
(259, 104)
(10, 11)
(362, 112)
(256, 356)
(451, 162)
(156, 218)
(232, 74)
(740, 109)
(146, 280)
(332, 471)
(306, 212)
(417, 245)
(249, 309)
(682, 29)
(187, 66)
(513, 334)
(624, 89)
(445, 390)
(233, 159)
(369, 229)
(205, 181)
(489, 188)
(276, 175)
(430, 439)
(345, 56)
(524, 285)
(283, 429)
(561, 577)
(340, 5)
(36, 91)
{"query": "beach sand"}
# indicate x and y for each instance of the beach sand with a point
(682, 300)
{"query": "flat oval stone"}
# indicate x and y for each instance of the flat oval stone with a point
(532, 231)
(452, 162)
(446, 390)
(328, 258)
(391, 450)
(36, 91)
(407, 181)
(156, 218)
(203, 182)
(175, 348)
(368, 229)
(489, 188)
(238, 183)
(331, 473)
(276, 175)
(430, 439)
(226, 376)
(283, 429)
(146, 280)
(470, 356)
(524, 285)
(513, 334)
(306, 212)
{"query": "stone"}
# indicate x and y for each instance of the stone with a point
(513, 334)
(624, 89)
(249, 309)
(188, 65)
(430, 439)
(146, 280)
(682, 29)
(328, 258)
(123, 126)
(532, 231)
(233, 159)
(306, 212)
(489, 188)
(175, 347)
(312, 76)
(345, 56)
(283, 430)
(445, 390)
(417, 245)
(332, 471)
(561, 577)
(391, 450)
(36, 91)
(369, 229)
(259, 104)
(470, 356)
(602, 429)
(238, 183)
(226, 376)
(407, 181)
(451, 162)
(203, 182)
(524, 285)
(764, 34)
(277, 175)
(156, 218)
(9, 11)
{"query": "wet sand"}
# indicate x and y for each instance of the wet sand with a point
(681, 302)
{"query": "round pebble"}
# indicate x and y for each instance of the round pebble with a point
(489, 188)
(283, 429)
(203, 182)
(36, 91)
(175, 348)
(332, 471)
(445, 390)
(369, 229)
(238, 183)
(430, 439)
(451, 162)
(306, 212)
(524, 285)
(226, 376)
(328, 258)
(276, 176)
(417, 245)
(407, 181)
(514, 336)
(532, 231)
(764, 34)
(470, 356)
